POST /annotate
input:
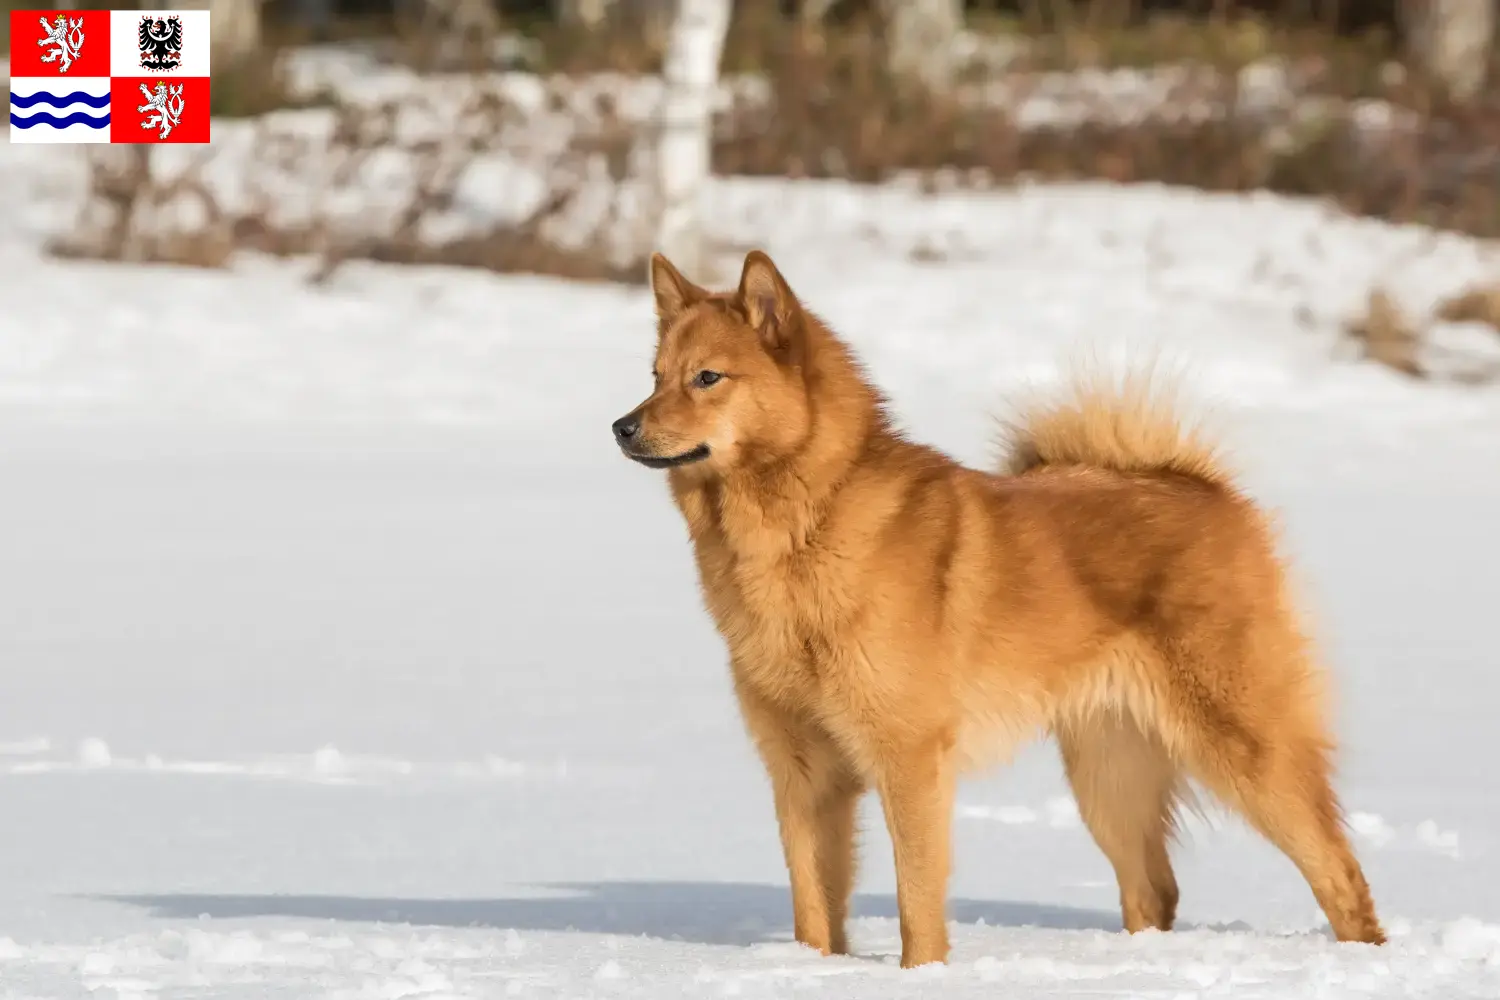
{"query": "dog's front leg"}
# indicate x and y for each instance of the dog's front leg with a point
(816, 795)
(916, 784)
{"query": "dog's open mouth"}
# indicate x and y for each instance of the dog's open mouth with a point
(697, 454)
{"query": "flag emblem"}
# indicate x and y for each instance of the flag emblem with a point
(74, 110)
(168, 104)
(160, 41)
(128, 76)
(63, 39)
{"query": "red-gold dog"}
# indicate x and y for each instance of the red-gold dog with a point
(894, 618)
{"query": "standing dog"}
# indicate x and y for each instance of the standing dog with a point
(894, 618)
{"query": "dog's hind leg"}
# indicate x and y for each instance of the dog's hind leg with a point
(1285, 793)
(1268, 758)
(1126, 787)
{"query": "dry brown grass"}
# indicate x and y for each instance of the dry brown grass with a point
(249, 88)
(293, 189)
(1387, 336)
(135, 214)
(1479, 304)
(1344, 122)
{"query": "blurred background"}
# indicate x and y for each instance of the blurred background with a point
(336, 637)
(1380, 106)
(570, 137)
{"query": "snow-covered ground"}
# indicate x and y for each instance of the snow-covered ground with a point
(344, 657)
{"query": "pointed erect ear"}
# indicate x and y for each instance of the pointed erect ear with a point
(768, 301)
(673, 292)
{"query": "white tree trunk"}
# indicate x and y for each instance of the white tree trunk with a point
(691, 75)
(920, 35)
(589, 14)
(1450, 40)
(233, 24)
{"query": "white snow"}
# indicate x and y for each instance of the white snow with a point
(93, 753)
(25, 748)
(1372, 829)
(343, 657)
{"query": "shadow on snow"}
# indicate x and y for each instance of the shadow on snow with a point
(732, 913)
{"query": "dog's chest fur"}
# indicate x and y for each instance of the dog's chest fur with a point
(773, 592)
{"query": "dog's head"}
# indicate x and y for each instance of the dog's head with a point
(728, 369)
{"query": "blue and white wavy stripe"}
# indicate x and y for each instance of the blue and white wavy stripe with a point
(76, 97)
(60, 110)
(45, 118)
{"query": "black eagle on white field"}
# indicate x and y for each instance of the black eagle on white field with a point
(160, 40)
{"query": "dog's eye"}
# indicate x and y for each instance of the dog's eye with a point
(706, 378)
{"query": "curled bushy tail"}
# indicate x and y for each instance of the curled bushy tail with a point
(1130, 425)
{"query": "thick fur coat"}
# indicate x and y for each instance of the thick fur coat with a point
(894, 619)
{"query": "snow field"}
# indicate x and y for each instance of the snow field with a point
(345, 658)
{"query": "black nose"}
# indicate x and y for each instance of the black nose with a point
(626, 427)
